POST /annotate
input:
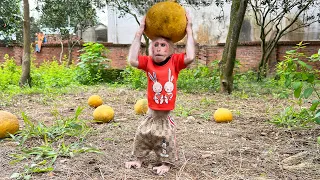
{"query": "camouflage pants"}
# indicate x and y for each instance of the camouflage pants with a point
(156, 133)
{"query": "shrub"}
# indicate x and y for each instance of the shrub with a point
(93, 63)
(9, 73)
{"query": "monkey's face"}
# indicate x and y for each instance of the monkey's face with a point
(160, 50)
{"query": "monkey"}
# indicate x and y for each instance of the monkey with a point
(157, 131)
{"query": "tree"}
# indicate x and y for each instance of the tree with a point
(270, 15)
(10, 18)
(67, 16)
(131, 7)
(238, 10)
(25, 76)
(137, 7)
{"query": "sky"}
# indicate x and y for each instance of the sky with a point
(102, 14)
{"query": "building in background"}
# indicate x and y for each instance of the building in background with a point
(208, 28)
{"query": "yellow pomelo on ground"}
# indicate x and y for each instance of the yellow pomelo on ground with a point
(222, 115)
(8, 124)
(95, 101)
(141, 106)
(166, 19)
(103, 113)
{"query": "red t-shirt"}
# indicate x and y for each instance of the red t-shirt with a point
(162, 81)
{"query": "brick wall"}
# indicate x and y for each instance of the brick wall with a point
(247, 53)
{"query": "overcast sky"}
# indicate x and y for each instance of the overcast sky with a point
(102, 14)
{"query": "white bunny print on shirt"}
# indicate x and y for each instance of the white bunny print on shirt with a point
(157, 88)
(168, 87)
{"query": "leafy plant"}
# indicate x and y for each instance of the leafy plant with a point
(200, 79)
(51, 74)
(291, 117)
(9, 73)
(93, 63)
(302, 78)
(65, 138)
(134, 78)
(182, 111)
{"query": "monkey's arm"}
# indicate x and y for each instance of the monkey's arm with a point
(190, 46)
(135, 46)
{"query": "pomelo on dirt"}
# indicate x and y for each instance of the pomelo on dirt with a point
(222, 115)
(8, 124)
(103, 113)
(141, 106)
(166, 19)
(95, 101)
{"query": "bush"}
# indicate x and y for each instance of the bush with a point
(93, 63)
(9, 73)
(51, 74)
(200, 79)
(134, 78)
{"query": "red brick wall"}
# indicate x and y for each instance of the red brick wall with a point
(247, 53)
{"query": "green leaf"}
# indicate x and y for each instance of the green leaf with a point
(291, 52)
(314, 105)
(303, 64)
(297, 85)
(311, 78)
(317, 114)
(287, 82)
(297, 92)
(307, 92)
(318, 139)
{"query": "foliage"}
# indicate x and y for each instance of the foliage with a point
(93, 62)
(65, 138)
(10, 18)
(9, 73)
(134, 78)
(302, 78)
(200, 79)
(63, 15)
(270, 16)
(51, 74)
(140, 7)
(48, 77)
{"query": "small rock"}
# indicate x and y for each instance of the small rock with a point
(122, 92)
(191, 118)
(63, 160)
(263, 134)
(204, 156)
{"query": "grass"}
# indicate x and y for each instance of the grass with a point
(65, 138)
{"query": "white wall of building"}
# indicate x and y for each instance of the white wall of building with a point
(207, 29)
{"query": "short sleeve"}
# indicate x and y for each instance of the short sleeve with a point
(143, 61)
(179, 61)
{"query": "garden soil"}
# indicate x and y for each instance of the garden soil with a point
(250, 147)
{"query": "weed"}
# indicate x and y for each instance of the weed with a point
(65, 138)
(302, 78)
(93, 62)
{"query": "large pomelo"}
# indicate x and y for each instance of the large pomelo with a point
(8, 124)
(166, 19)
(103, 113)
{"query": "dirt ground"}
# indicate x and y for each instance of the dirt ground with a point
(247, 148)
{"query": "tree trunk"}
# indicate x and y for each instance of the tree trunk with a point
(25, 78)
(69, 53)
(267, 50)
(61, 53)
(238, 9)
